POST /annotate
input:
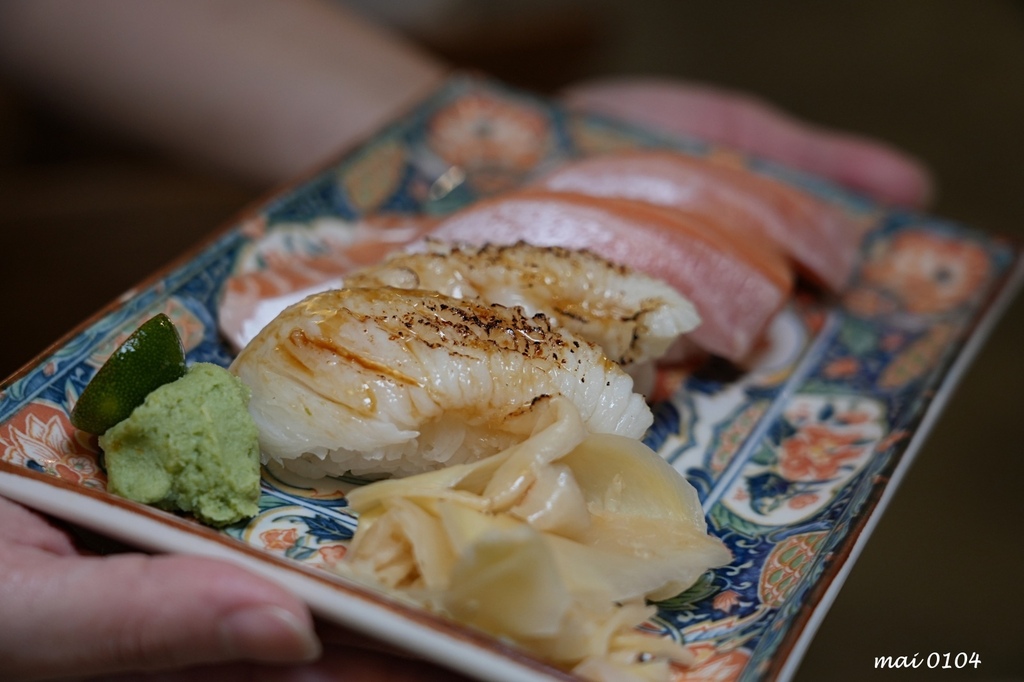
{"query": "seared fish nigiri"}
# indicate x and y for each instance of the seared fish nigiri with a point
(634, 318)
(393, 381)
(737, 283)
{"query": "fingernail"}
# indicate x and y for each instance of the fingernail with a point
(269, 633)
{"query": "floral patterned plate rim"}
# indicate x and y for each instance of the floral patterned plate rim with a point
(794, 459)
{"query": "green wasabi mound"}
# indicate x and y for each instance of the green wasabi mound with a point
(192, 445)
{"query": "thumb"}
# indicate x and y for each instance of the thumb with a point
(87, 616)
(755, 127)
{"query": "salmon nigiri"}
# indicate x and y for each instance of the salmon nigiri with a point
(736, 284)
(821, 241)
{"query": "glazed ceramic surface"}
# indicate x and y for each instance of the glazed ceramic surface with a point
(793, 459)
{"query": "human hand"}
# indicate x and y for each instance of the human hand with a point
(755, 127)
(69, 614)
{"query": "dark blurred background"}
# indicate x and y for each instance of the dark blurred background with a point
(85, 215)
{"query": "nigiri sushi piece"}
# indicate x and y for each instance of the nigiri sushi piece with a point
(634, 318)
(737, 284)
(822, 242)
(391, 381)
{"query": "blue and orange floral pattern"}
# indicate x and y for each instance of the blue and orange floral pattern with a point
(41, 437)
(370, 178)
(788, 457)
(482, 128)
(920, 274)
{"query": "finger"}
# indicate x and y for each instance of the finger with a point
(338, 664)
(362, 665)
(23, 528)
(752, 126)
(130, 612)
(335, 636)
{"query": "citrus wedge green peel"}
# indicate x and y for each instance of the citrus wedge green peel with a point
(151, 357)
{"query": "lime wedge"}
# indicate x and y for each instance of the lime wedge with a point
(151, 357)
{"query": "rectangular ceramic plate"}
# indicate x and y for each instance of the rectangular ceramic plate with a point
(793, 460)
